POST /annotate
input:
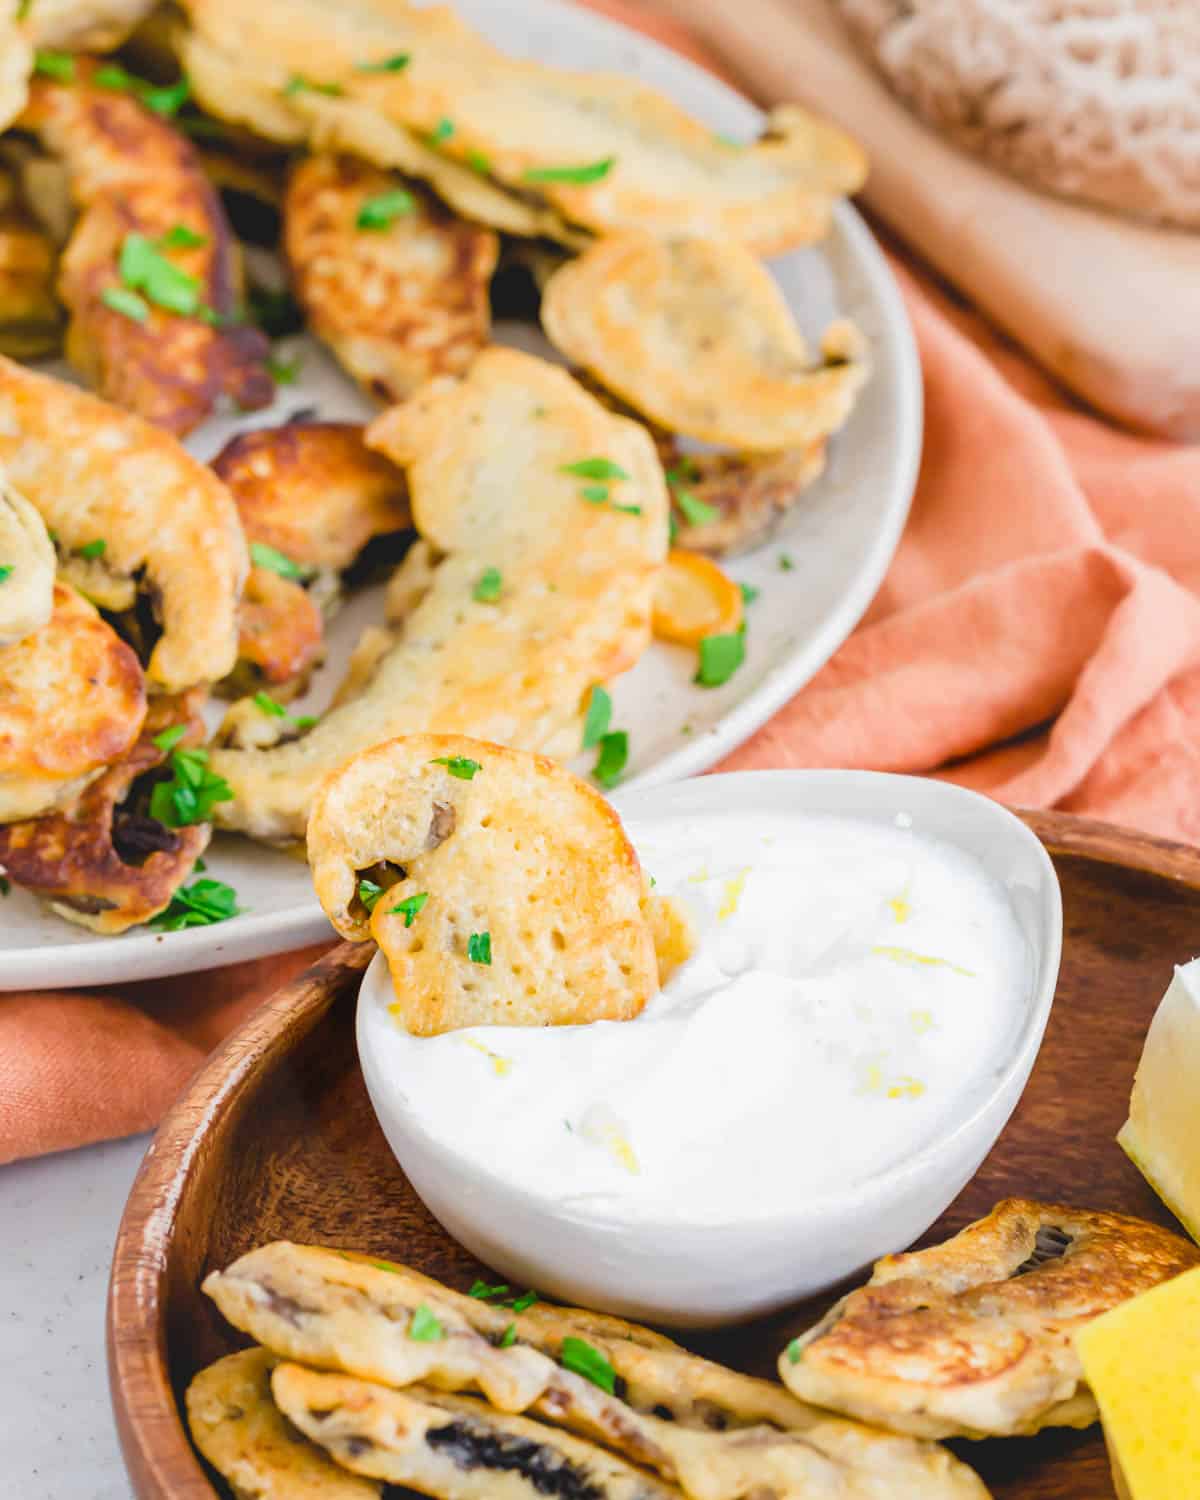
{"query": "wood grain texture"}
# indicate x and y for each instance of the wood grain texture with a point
(275, 1139)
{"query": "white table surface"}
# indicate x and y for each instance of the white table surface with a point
(58, 1220)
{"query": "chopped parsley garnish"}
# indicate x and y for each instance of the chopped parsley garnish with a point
(595, 494)
(180, 237)
(199, 867)
(509, 1337)
(586, 172)
(284, 371)
(394, 64)
(795, 1350)
(424, 1327)
(277, 313)
(267, 705)
(167, 100)
(298, 84)
(144, 268)
(594, 468)
(785, 562)
(169, 738)
(409, 907)
(749, 592)
(582, 1358)
(23, 8)
(274, 561)
(461, 766)
(483, 1292)
(487, 586)
(121, 300)
(696, 512)
(369, 893)
(628, 510)
(191, 793)
(5, 886)
(200, 904)
(6, 570)
(384, 209)
(95, 548)
(442, 131)
(720, 657)
(525, 1300)
(614, 752)
(60, 65)
(387, 1265)
(113, 76)
(479, 948)
(478, 162)
(599, 717)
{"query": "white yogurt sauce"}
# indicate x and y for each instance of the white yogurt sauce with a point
(852, 983)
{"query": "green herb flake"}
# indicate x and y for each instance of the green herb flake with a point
(305, 721)
(795, 1351)
(594, 468)
(58, 65)
(120, 299)
(487, 586)
(166, 100)
(478, 162)
(268, 705)
(394, 64)
(424, 1327)
(95, 548)
(144, 268)
(720, 657)
(479, 948)
(614, 752)
(114, 76)
(369, 893)
(201, 904)
(169, 738)
(583, 1359)
(5, 886)
(628, 510)
(190, 793)
(461, 766)
(749, 592)
(785, 562)
(274, 561)
(6, 571)
(595, 494)
(199, 867)
(695, 512)
(284, 371)
(592, 171)
(409, 907)
(180, 237)
(299, 84)
(599, 717)
(509, 1337)
(387, 1265)
(23, 9)
(484, 1293)
(381, 211)
(525, 1300)
(442, 131)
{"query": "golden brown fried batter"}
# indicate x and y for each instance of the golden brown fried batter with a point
(30, 317)
(974, 1337)
(72, 700)
(85, 25)
(133, 173)
(400, 302)
(27, 565)
(100, 862)
(281, 637)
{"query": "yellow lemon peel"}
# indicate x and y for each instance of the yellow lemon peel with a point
(734, 887)
(927, 960)
(501, 1066)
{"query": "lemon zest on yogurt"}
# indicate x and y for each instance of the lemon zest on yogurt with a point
(906, 1088)
(901, 909)
(603, 1129)
(921, 1021)
(928, 960)
(501, 1066)
(734, 887)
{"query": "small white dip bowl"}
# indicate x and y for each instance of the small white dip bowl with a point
(706, 1274)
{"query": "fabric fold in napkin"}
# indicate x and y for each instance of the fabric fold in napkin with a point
(1038, 638)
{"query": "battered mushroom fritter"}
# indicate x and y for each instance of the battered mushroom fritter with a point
(144, 200)
(85, 25)
(30, 317)
(975, 1337)
(315, 497)
(101, 861)
(26, 567)
(135, 518)
(391, 280)
(72, 700)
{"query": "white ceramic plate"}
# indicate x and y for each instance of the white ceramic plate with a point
(816, 576)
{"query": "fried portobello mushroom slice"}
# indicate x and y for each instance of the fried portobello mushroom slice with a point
(696, 335)
(507, 850)
(486, 460)
(135, 518)
(143, 198)
(389, 278)
(451, 1447)
(74, 700)
(27, 564)
(974, 1338)
(313, 499)
(102, 861)
(367, 1336)
(31, 319)
(237, 1427)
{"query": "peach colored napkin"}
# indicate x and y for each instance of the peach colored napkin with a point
(1038, 637)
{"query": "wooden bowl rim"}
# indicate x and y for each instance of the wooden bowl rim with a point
(153, 1438)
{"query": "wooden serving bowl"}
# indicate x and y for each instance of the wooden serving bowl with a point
(275, 1139)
